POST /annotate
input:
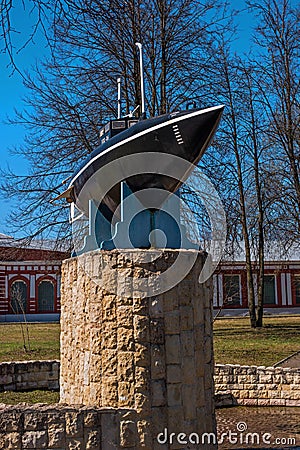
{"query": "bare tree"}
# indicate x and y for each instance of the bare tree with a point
(277, 67)
(18, 307)
(72, 93)
(254, 143)
(235, 159)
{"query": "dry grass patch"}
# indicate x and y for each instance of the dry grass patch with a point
(43, 339)
(235, 342)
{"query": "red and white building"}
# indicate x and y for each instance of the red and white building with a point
(281, 281)
(30, 281)
(29, 278)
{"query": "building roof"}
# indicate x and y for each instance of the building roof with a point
(31, 249)
(4, 236)
(28, 243)
(275, 251)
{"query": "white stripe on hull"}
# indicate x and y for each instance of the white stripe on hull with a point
(142, 133)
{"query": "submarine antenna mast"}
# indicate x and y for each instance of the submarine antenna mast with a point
(119, 97)
(140, 47)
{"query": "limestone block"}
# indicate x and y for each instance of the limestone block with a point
(175, 419)
(189, 401)
(10, 441)
(125, 366)
(142, 355)
(56, 435)
(125, 339)
(199, 363)
(34, 421)
(108, 337)
(156, 307)
(140, 306)
(109, 431)
(289, 402)
(127, 434)
(126, 394)
(74, 423)
(34, 440)
(91, 418)
(188, 370)
(173, 350)
(75, 444)
(10, 422)
(200, 397)
(107, 308)
(174, 394)
(158, 362)
(208, 379)
(295, 395)
(266, 379)
(172, 322)
(174, 373)
(93, 440)
(109, 362)
(277, 402)
(142, 403)
(141, 329)
(124, 319)
(159, 420)
(208, 351)
(186, 318)
(109, 392)
(142, 379)
(199, 337)
(170, 300)
(263, 402)
(95, 368)
(187, 343)
(144, 435)
(248, 402)
(158, 390)
(157, 333)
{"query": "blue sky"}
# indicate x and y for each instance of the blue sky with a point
(12, 91)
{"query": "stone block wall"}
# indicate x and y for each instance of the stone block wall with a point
(150, 354)
(29, 375)
(66, 428)
(234, 384)
(259, 386)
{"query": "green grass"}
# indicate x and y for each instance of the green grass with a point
(43, 338)
(236, 343)
(13, 398)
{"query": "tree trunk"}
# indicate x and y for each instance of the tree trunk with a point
(242, 203)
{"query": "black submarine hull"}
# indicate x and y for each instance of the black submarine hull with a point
(183, 134)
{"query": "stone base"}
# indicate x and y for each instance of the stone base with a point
(152, 355)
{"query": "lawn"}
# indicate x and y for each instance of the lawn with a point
(43, 339)
(236, 343)
(13, 398)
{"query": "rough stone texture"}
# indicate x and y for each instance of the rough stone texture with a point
(152, 355)
(258, 386)
(29, 375)
(64, 428)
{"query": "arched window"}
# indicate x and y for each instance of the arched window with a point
(45, 296)
(18, 297)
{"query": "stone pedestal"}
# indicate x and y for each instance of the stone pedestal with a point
(150, 355)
